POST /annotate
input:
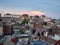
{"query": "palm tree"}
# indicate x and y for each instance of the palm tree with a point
(43, 16)
(8, 14)
(36, 16)
(25, 15)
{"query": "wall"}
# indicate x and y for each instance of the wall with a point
(1, 30)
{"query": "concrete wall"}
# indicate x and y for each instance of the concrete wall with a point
(1, 30)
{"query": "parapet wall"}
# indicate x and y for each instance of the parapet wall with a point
(49, 40)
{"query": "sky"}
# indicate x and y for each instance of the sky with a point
(50, 8)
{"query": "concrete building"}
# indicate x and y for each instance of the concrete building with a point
(6, 25)
(8, 21)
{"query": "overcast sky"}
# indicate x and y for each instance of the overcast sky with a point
(51, 8)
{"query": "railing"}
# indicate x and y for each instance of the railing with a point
(57, 43)
(2, 40)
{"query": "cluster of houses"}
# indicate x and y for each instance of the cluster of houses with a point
(11, 22)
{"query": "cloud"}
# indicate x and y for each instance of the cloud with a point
(37, 13)
(15, 11)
